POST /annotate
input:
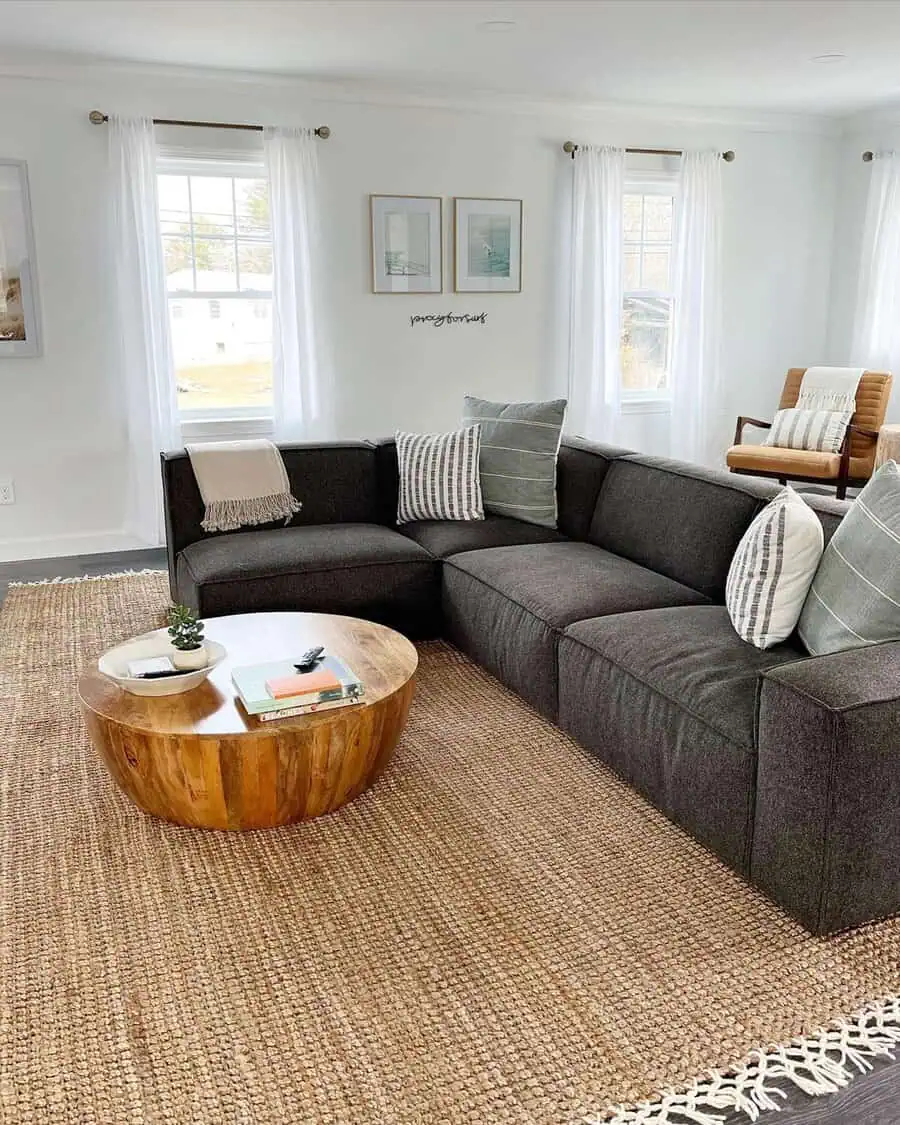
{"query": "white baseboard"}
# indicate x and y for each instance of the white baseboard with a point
(54, 547)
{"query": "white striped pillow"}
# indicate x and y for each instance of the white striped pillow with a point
(772, 570)
(819, 430)
(439, 477)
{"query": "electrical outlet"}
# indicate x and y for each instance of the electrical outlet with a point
(7, 492)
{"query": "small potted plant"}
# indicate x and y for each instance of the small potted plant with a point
(186, 632)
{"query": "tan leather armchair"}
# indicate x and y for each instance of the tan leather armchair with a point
(852, 466)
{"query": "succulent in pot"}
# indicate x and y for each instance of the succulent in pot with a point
(186, 635)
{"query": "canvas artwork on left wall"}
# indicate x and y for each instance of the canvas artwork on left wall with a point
(19, 320)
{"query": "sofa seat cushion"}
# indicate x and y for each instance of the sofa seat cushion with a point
(507, 607)
(361, 569)
(449, 537)
(668, 699)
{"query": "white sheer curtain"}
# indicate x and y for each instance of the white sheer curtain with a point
(142, 317)
(876, 330)
(301, 380)
(595, 325)
(697, 420)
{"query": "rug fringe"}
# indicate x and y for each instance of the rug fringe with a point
(819, 1064)
(60, 581)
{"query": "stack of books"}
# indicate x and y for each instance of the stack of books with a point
(279, 691)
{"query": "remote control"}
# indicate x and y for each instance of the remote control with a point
(161, 675)
(310, 659)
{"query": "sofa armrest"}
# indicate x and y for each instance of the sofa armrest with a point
(742, 422)
(826, 843)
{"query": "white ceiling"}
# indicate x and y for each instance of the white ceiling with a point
(707, 53)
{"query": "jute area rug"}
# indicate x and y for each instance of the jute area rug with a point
(498, 932)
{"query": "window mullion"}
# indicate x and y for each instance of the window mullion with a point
(191, 229)
(237, 264)
(643, 236)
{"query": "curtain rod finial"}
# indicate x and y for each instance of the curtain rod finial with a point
(323, 132)
(868, 156)
(728, 156)
(571, 148)
(96, 117)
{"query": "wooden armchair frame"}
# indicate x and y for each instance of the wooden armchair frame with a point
(841, 482)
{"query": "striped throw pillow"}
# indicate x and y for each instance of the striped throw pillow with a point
(855, 596)
(819, 430)
(772, 569)
(439, 477)
(519, 447)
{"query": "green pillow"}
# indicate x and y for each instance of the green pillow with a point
(519, 444)
(854, 599)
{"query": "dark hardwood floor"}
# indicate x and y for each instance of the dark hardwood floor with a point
(871, 1099)
(78, 566)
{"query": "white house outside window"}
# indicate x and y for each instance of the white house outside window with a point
(214, 218)
(649, 212)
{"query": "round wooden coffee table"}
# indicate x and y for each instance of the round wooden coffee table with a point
(199, 760)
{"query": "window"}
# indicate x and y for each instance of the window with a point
(648, 304)
(217, 242)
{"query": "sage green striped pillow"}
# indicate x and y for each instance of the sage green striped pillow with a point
(519, 446)
(854, 599)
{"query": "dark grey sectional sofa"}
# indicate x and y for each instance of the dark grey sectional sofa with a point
(614, 627)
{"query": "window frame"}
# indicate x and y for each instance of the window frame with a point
(218, 422)
(650, 183)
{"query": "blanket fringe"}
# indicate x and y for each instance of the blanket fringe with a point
(819, 1064)
(837, 401)
(229, 515)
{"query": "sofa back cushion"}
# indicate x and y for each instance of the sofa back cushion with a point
(680, 520)
(829, 510)
(580, 469)
(387, 472)
(335, 483)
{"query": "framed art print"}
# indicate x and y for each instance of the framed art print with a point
(488, 245)
(406, 244)
(19, 321)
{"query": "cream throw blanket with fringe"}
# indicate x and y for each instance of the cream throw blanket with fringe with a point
(829, 388)
(242, 483)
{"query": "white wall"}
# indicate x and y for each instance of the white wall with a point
(62, 430)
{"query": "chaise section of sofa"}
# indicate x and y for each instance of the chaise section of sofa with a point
(668, 699)
(826, 841)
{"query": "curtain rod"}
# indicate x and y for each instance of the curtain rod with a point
(868, 156)
(98, 118)
(571, 148)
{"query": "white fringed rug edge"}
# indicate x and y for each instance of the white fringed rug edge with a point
(67, 581)
(819, 1065)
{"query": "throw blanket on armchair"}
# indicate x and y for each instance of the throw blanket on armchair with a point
(829, 388)
(242, 483)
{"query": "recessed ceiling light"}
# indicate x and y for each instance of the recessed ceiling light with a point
(829, 57)
(497, 26)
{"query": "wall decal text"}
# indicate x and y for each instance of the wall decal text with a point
(438, 320)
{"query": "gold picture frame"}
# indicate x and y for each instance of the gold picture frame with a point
(487, 245)
(407, 244)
